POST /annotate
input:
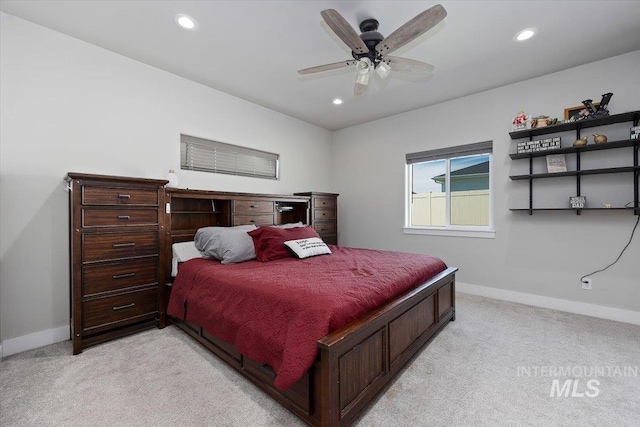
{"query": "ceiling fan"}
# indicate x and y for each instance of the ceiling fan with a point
(371, 50)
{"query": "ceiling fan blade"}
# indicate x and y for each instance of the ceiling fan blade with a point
(359, 89)
(341, 27)
(327, 67)
(406, 65)
(412, 29)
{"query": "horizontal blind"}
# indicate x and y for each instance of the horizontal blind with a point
(449, 152)
(199, 154)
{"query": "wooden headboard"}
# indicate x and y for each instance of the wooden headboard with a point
(188, 210)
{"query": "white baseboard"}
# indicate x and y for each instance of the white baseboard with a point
(611, 313)
(35, 340)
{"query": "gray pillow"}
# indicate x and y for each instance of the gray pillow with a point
(230, 245)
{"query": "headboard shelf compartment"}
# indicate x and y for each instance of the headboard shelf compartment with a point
(188, 210)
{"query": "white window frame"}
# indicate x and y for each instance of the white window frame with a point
(487, 231)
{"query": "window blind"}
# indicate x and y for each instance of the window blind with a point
(199, 154)
(449, 152)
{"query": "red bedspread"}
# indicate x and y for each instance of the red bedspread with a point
(274, 312)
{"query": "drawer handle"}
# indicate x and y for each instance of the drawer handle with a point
(253, 206)
(123, 245)
(124, 196)
(253, 220)
(122, 307)
(124, 217)
(122, 276)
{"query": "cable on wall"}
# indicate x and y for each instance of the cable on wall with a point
(619, 256)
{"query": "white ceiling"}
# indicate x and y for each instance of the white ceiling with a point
(253, 49)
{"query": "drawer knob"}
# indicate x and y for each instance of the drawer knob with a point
(124, 217)
(253, 220)
(122, 276)
(123, 245)
(124, 196)
(122, 307)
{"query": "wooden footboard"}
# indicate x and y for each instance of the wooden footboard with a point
(356, 361)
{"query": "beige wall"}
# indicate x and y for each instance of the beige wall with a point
(467, 208)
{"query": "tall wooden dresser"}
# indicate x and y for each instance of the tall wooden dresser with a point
(324, 215)
(116, 228)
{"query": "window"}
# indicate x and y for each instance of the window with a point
(198, 154)
(449, 191)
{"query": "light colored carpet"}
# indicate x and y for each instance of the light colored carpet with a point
(467, 376)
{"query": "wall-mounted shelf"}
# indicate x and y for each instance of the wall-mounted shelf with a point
(633, 116)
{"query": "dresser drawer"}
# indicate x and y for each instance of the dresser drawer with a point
(121, 275)
(325, 202)
(119, 309)
(250, 207)
(96, 247)
(324, 214)
(113, 196)
(325, 228)
(256, 220)
(119, 217)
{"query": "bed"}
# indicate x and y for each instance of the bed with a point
(340, 361)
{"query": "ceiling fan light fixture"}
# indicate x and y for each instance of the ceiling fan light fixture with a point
(185, 21)
(363, 78)
(383, 70)
(363, 66)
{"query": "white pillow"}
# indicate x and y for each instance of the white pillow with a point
(182, 252)
(305, 248)
(289, 225)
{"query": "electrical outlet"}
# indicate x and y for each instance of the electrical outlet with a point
(586, 284)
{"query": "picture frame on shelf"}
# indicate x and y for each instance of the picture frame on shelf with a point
(556, 163)
(570, 112)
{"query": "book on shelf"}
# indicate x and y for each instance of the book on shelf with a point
(556, 163)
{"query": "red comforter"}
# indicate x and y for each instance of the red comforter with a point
(274, 312)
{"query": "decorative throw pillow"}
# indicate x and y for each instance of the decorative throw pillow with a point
(269, 241)
(305, 248)
(228, 244)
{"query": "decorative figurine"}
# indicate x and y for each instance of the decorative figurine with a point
(580, 142)
(591, 111)
(599, 139)
(542, 121)
(521, 121)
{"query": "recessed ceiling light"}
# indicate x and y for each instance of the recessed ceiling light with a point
(337, 101)
(525, 34)
(185, 21)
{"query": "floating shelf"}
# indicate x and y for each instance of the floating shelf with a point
(576, 173)
(631, 116)
(585, 148)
